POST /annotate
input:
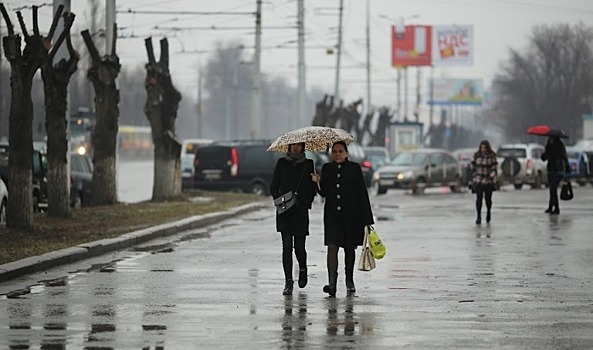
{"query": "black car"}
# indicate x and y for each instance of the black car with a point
(39, 176)
(243, 165)
(81, 180)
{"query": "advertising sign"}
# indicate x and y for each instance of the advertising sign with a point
(457, 92)
(452, 45)
(411, 46)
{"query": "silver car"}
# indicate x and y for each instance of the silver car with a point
(520, 164)
(417, 170)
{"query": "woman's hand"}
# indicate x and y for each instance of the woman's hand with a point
(315, 178)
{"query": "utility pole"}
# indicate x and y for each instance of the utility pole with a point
(302, 116)
(339, 56)
(199, 131)
(256, 93)
(431, 95)
(405, 93)
(418, 97)
(109, 25)
(399, 93)
(368, 44)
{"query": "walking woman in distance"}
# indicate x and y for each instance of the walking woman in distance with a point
(484, 167)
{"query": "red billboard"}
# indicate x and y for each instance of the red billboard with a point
(411, 46)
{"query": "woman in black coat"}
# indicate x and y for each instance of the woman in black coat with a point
(558, 167)
(346, 213)
(293, 173)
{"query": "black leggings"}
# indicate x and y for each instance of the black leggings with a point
(299, 250)
(485, 193)
(553, 182)
(332, 258)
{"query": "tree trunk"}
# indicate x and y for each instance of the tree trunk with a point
(102, 74)
(161, 110)
(23, 66)
(55, 83)
(20, 162)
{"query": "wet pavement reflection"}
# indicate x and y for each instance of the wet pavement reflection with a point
(523, 281)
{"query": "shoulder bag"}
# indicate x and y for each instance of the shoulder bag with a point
(289, 199)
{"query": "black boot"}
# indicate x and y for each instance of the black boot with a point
(350, 288)
(302, 277)
(288, 287)
(479, 220)
(333, 280)
(488, 217)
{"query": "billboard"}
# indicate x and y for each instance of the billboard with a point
(456, 92)
(452, 45)
(411, 46)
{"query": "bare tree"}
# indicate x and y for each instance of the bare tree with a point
(102, 73)
(161, 110)
(23, 65)
(552, 83)
(55, 83)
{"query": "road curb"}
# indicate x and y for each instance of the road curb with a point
(45, 261)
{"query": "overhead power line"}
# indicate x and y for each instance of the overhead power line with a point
(189, 13)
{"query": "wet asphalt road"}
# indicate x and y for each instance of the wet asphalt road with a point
(523, 282)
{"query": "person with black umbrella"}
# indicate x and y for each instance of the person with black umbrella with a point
(558, 168)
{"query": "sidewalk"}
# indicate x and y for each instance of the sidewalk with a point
(87, 250)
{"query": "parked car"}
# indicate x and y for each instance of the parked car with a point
(39, 176)
(417, 170)
(521, 164)
(377, 155)
(188, 152)
(465, 156)
(356, 154)
(581, 165)
(243, 165)
(81, 180)
(3, 202)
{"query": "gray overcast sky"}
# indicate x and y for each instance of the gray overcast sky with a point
(498, 25)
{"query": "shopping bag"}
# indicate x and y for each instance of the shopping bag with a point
(366, 261)
(376, 246)
(566, 191)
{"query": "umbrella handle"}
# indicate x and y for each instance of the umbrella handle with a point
(315, 172)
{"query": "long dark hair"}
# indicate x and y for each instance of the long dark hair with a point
(489, 150)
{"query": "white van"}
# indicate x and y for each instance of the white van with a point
(188, 151)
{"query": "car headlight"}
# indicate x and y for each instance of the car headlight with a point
(376, 175)
(81, 150)
(405, 175)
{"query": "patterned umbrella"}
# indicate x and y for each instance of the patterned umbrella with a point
(316, 138)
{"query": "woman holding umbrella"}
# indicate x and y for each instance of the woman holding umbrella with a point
(558, 167)
(293, 173)
(346, 213)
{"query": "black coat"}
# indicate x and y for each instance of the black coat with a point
(286, 177)
(555, 154)
(347, 206)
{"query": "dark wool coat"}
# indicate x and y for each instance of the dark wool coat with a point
(555, 154)
(347, 206)
(286, 177)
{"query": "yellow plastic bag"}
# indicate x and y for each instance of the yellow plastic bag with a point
(377, 247)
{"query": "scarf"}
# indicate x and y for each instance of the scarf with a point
(296, 157)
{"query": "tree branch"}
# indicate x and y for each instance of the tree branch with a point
(36, 21)
(22, 23)
(114, 40)
(9, 25)
(149, 50)
(55, 21)
(164, 61)
(68, 20)
(91, 46)
(69, 45)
